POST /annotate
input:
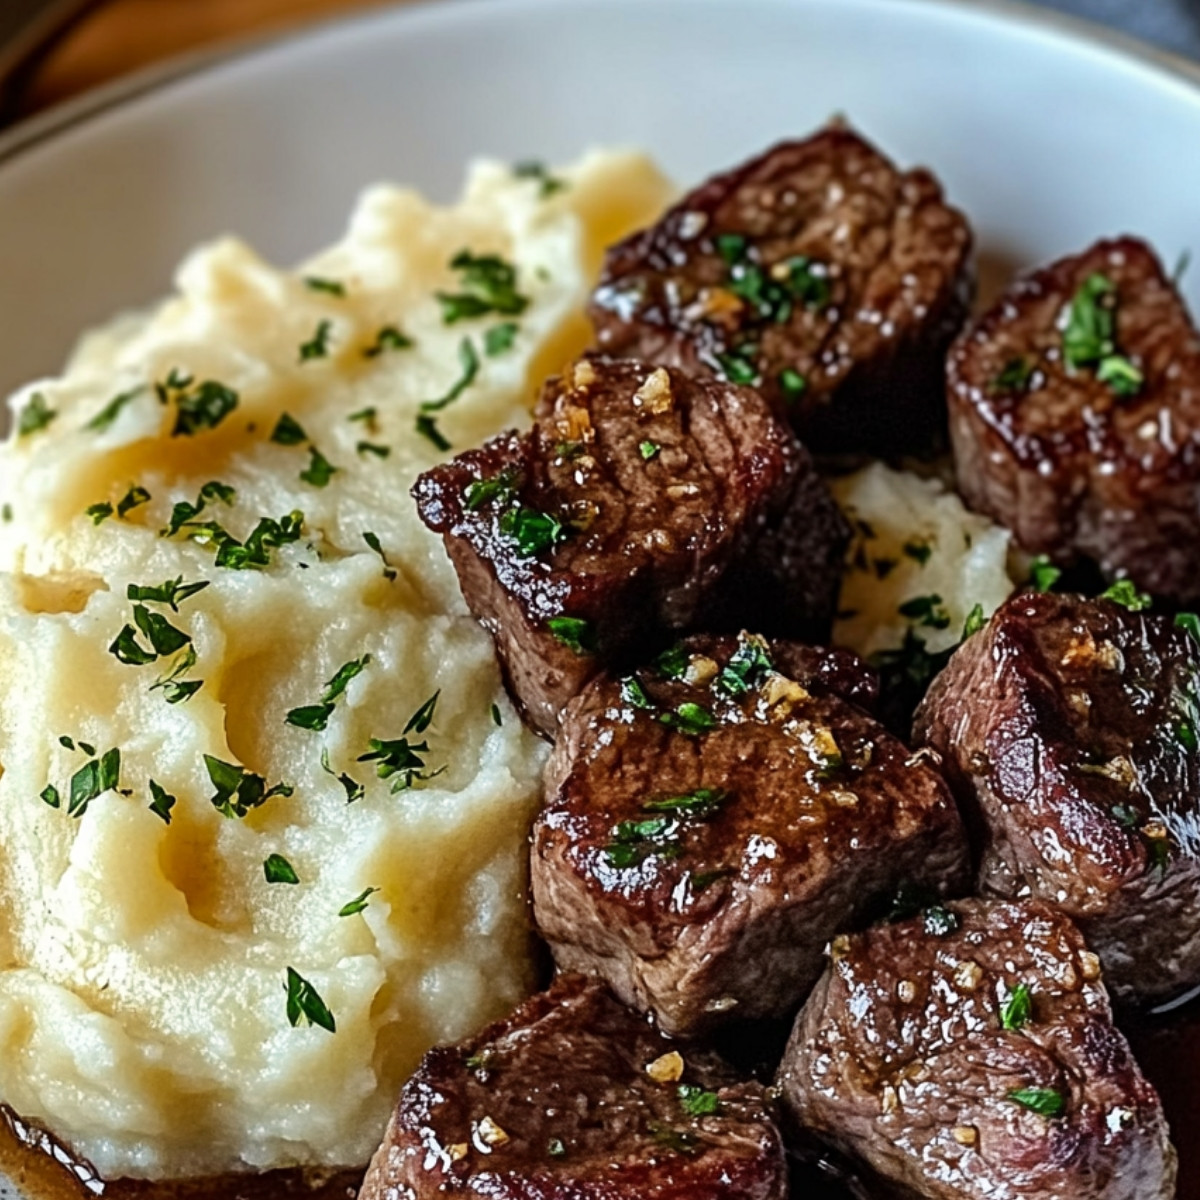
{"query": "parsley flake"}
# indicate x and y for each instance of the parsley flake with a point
(277, 869)
(134, 498)
(319, 470)
(316, 716)
(1018, 1008)
(288, 431)
(109, 413)
(426, 426)
(649, 450)
(1043, 574)
(489, 286)
(305, 1004)
(238, 790)
(696, 1102)
(573, 632)
(317, 346)
(1127, 596)
(99, 512)
(172, 592)
(548, 184)
(500, 338)
(163, 801)
(372, 540)
(388, 338)
(358, 904)
(35, 415)
(926, 611)
(205, 407)
(1046, 1102)
(468, 360)
(372, 448)
(331, 287)
(690, 719)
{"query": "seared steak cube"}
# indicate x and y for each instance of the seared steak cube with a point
(712, 820)
(970, 1054)
(1075, 417)
(1071, 730)
(573, 1096)
(816, 272)
(619, 515)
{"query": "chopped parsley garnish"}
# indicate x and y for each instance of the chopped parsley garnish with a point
(747, 665)
(495, 489)
(99, 512)
(267, 535)
(330, 287)
(468, 360)
(305, 1004)
(731, 246)
(426, 426)
(1089, 339)
(372, 540)
(68, 743)
(319, 470)
(1014, 376)
(500, 338)
(358, 904)
(738, 366)
(186, 512)
(112, 410)
(172, 592)
(672, 663)
(690, 719)
(1127, 596)
(1046, 1102)
(176, 689)
(372, 448)
(93, 779)
(366, 415)
(316, 716)
(919, 550)
(808, 281)
(288, 431)
(549, 184)
(388, 338)
(1190, 623)
(648, 450)
(533, 531)
(317, 346)
(238, 790)
(399, 760)
(1043, 574)
(204, 407)
(976, 620)
(940, 921)
(677, 1140)
(489, 286)
(1017, 1010)
(164, 638)
(555, 1148)
(1185, 733)
(696, 1102)
(496, 718)
(35, 415)
(633, 693)
(792, 383)
(573, 632)
(163, 801)
(277, 869)
(699, 803)
(634, 841)
(927, 611)
(134, 498)
(353, 789)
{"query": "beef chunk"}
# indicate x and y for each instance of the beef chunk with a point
(817, 272)
(1075, 417)
(1069, 728)
(970, 1053)
(619, 516)
(574, 1097)
(711, 821)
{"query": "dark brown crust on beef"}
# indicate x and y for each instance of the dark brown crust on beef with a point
(900, 1058)
(1069, 466)
(872, 353)
(652, 538)
(808, 846)
(570, 1064)
(1060, 725)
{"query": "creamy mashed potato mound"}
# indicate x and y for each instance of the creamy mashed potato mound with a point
(919, 562)
(144, 963)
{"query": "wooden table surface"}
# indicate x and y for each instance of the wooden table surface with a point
(121, 35)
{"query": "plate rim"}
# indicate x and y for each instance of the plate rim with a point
(35, 131)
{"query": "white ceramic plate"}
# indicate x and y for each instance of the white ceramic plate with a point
(1046, 134)
(1047, 137)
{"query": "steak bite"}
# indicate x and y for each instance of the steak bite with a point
(970, 1053)
(618, 516)
(712, 820)
(1075, 417)
(573, 1097)
(1070, 729)
(816, 272)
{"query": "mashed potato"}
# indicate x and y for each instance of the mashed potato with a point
(918, 565)
(225, 935)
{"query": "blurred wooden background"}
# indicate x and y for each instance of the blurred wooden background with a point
(122, 35)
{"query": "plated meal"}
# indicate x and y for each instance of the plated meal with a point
(697, 592)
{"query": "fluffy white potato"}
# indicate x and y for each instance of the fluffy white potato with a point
(919, 561)
(145, 955)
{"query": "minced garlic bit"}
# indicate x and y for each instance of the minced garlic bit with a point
(700, 670)
(655, 394)
(574, 425)
(965, 1135)
(584, 374)
(839, 947)
(779, 689)
(906, 991)
(667, 1068)
(488, 1134)
(1089, 965)
(457, 1151)
(968, 975)
(889, 1100)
